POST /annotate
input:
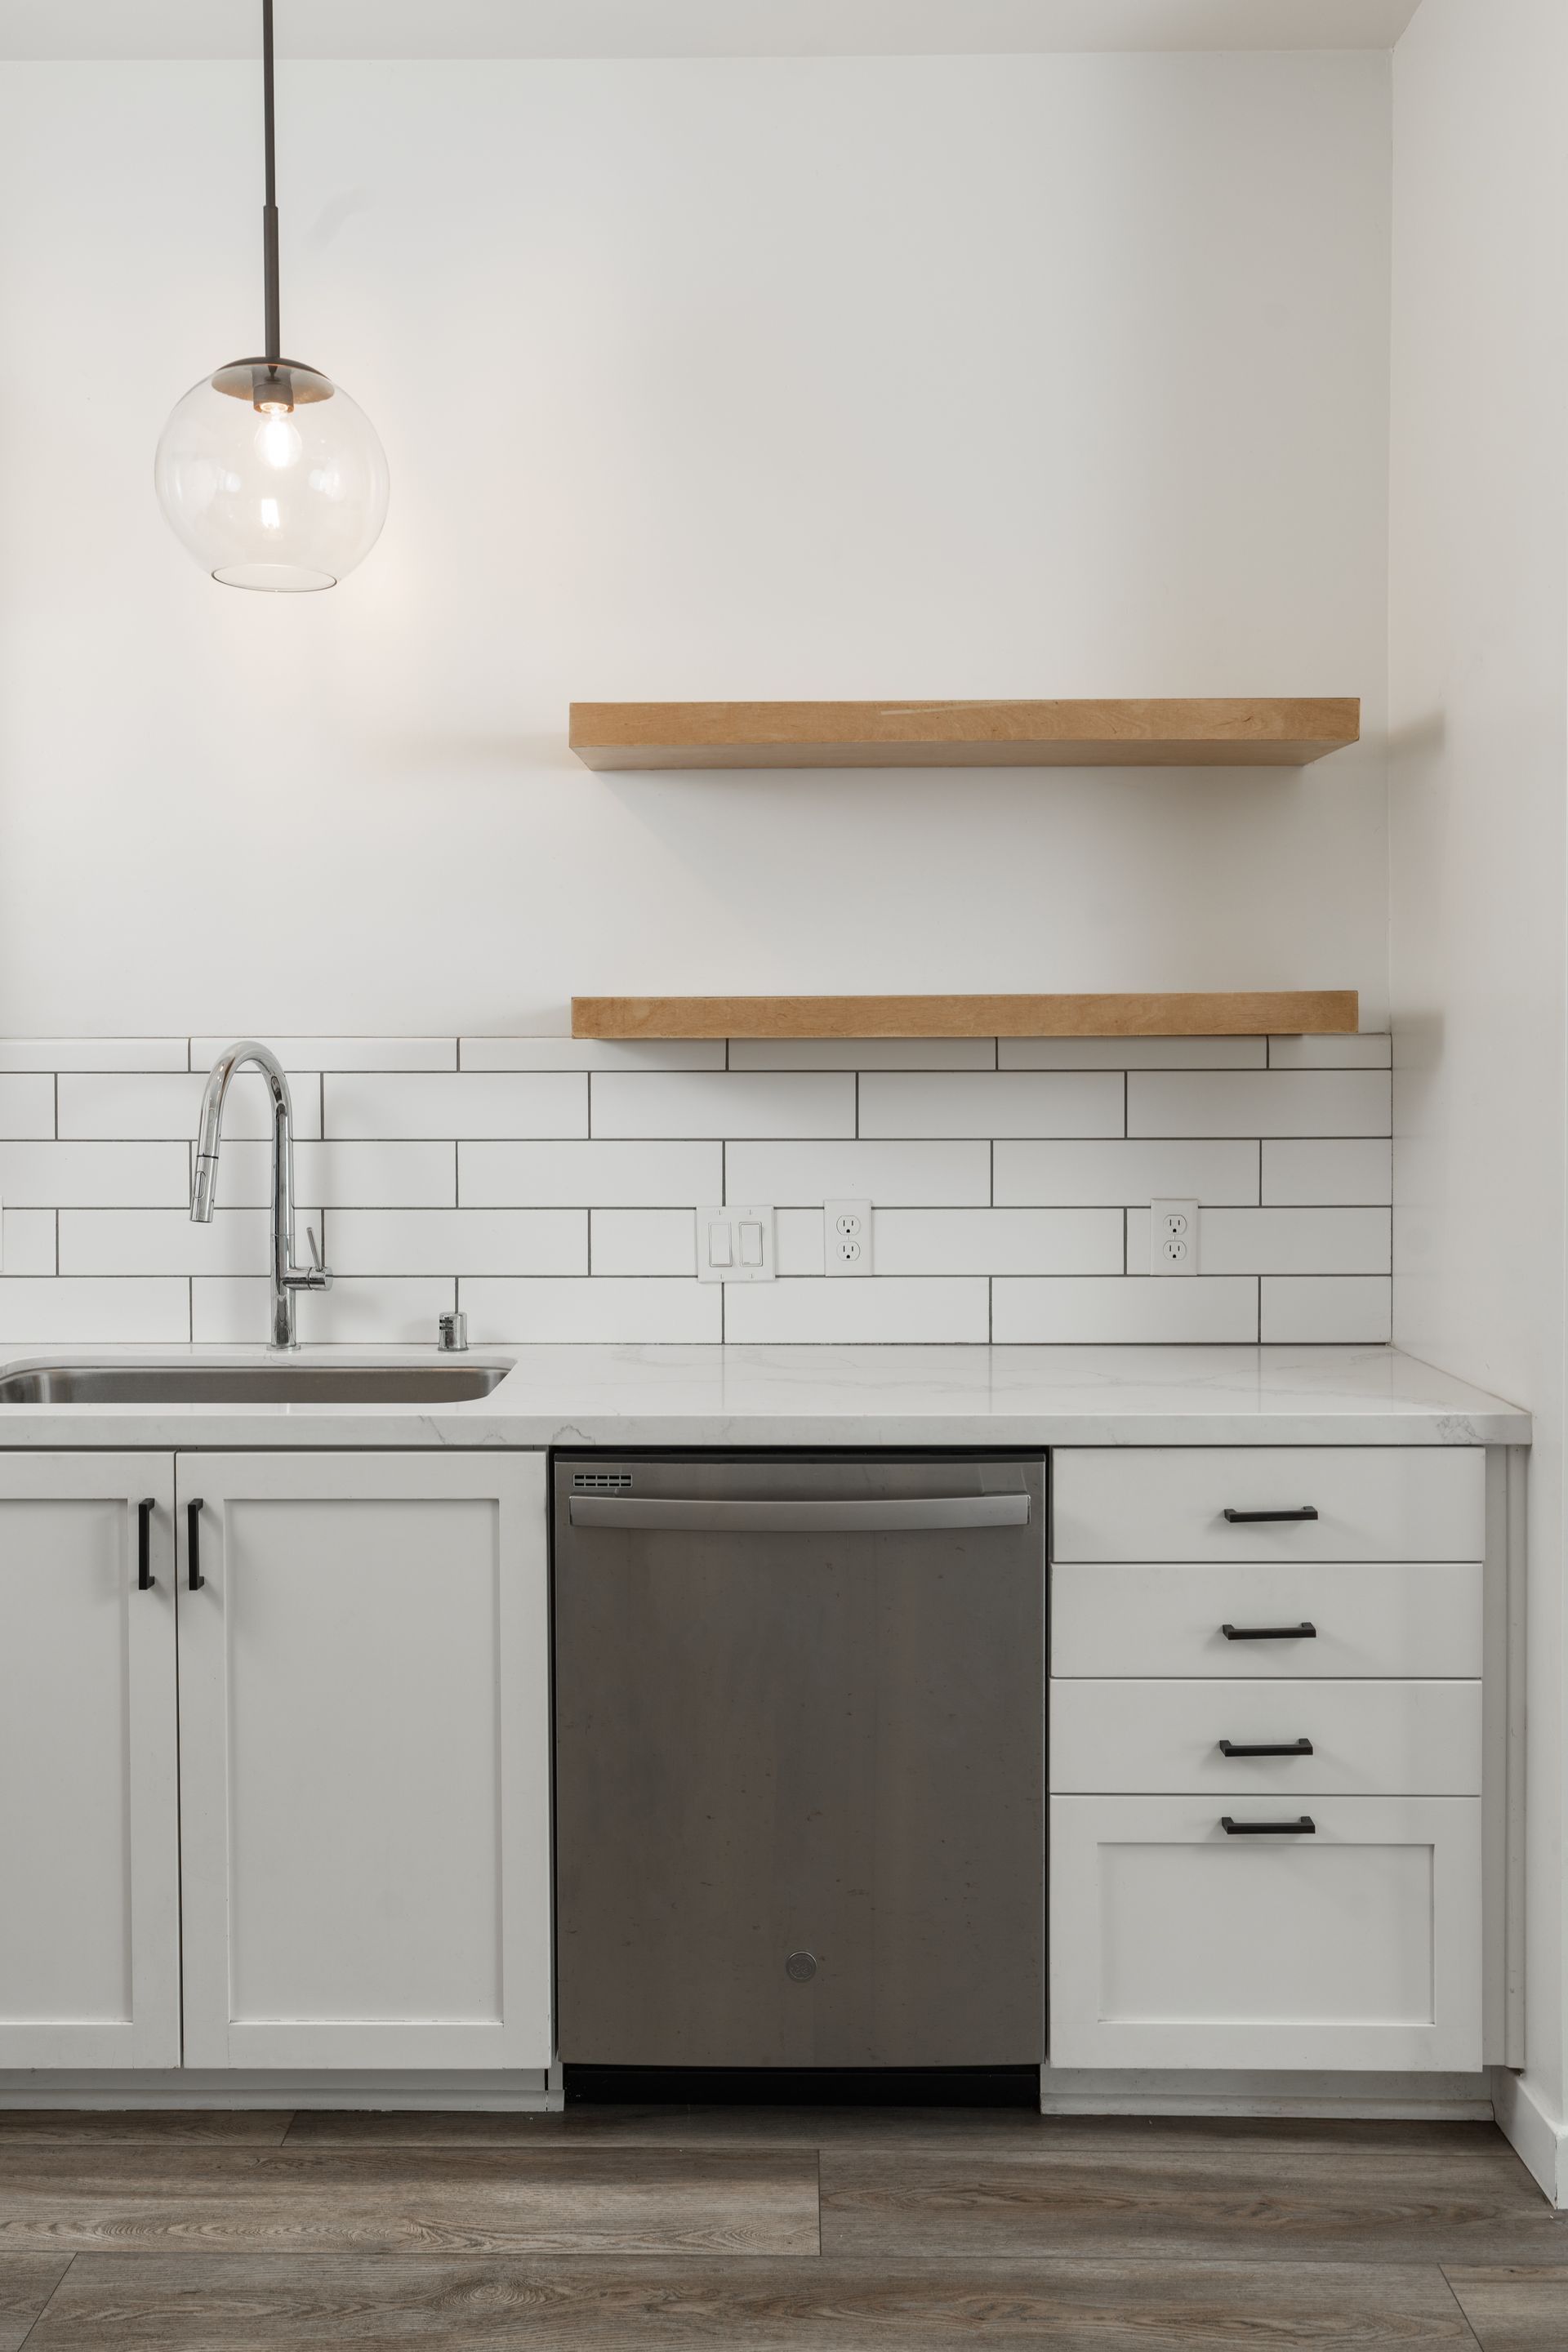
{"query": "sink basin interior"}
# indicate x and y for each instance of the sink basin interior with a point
(253, 1383)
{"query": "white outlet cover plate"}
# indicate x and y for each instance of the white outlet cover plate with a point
(847, 1237)
(735, 1244)
(1172, 1237)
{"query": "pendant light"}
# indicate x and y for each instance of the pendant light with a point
(268, 471)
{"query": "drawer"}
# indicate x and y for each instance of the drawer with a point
(1168, 1502)
(1173, 1944)
(1368, 1739)
(1381, 1618)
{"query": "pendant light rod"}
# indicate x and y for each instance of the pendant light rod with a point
(270, 209)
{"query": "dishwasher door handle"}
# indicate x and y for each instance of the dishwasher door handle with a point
(891, 1515)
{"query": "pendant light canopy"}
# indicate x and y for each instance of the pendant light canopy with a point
(269, 473)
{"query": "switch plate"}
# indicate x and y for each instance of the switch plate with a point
(847, 1237)
(735, 1244)
(1172, 1237)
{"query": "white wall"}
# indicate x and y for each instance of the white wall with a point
(1479, 678)
(1055, 375)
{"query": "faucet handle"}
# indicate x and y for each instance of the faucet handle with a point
(315, 1277)
(315, 1249)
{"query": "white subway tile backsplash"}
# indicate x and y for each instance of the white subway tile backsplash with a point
(1279, 1241)
(27, 1104)
(1346, 1172)
(726, 1103)
(334, 1052)
(997, 1241)
(343, 1175)
(588, 1175)
(549, 1186)
(1084, 1175)
(1372, 1052)
(1122, 1310)
(1132, 1053)
(642, 1241)
(1324, 1306)
(28, 1242)
(591, 1054)
(863, 1053)
(905, 1175)
(94, 1053)
(994, 1103)
(464, 1103)
(458, 1240)
(46, 1311)
(82, 1175)
(164, 1240)
(354, 1312)
(134, 1103)
(887, 1311)
(1258, 1102)
(603, 1309)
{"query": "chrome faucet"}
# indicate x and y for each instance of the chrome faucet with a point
(286, 1277)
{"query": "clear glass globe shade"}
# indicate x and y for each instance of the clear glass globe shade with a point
(273, 478)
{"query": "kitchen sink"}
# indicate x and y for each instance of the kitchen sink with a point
(253, 1383)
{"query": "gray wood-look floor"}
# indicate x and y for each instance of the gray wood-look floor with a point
(775, 2230)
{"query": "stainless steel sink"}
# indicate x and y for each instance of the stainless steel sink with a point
(254, 1384)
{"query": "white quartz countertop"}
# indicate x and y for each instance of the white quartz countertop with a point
(626, 1396)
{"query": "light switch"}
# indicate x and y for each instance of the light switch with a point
(737, 1244)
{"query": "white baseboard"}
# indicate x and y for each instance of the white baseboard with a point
(523, 2091)
(1152, 2091)
(1538, 2137)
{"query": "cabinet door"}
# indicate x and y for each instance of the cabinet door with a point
(90, 1915)
(1174, 1944)
(364, 1760)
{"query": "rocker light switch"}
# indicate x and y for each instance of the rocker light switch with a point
(735, 1244)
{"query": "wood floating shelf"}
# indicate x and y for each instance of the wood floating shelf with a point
(1330, 1012)
(1247, 733)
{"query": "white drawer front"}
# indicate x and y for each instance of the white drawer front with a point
(1176, 1945)
(1367, 1739)
(1371, 1618)
(1375, 1502)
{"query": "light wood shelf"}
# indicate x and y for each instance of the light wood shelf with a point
(1331, 1011)
(1239, 733)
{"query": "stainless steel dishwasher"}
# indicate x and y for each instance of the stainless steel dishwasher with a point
(800, 1760)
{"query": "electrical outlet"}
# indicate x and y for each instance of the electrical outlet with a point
(847, 1236)
(735, 1244)
(1172, 1237)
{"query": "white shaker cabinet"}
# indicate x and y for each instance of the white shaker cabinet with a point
(89, 1916)
(364, 1791)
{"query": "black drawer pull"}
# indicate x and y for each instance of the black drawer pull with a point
(1305, 1827)
(1305, 1631)
(1245, 1519)
(144, 1545)
(193, 1544)
(1283, 1748)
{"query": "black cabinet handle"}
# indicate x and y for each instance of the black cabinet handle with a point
(1283, 1748)
(193, 1543)
(1305, 1827)
(1245, 1519)
(144, 1545)
(1305, 1631)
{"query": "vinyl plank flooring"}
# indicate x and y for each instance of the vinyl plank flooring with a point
(26, 2282)
(259, 2126)
(113, 2302)
(56, 2199)
(1333, 2193)
(586, 2126)
(1514, 2310)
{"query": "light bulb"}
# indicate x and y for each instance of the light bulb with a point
(283, 492)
